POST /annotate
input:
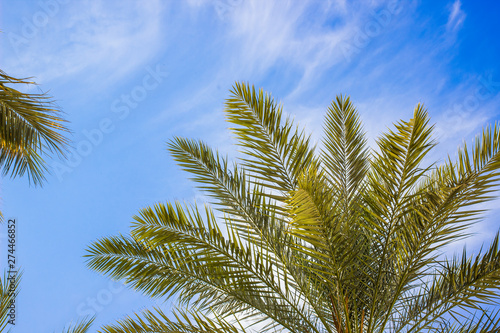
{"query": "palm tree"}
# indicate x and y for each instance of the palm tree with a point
(31, 128)
(338, 239)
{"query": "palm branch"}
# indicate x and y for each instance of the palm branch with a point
(294, 240)
(81, 327)
(9, 288)
(31, 128)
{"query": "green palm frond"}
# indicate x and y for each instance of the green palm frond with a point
(251, 217)
(347, 241)
(444, 209)
(82, 327)
(345, 154)
(182, 251)
(463, 285)
(231, 190)
(185, 322)
(31, 128)
(276, 152)
(487, 322)
(395, 173)
(9, 289)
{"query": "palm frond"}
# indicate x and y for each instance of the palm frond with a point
(395, 174)
(82, 327)
(9, 289)
(178, 251)
(463, 284)
(487, 322)
(155, 321)
(31, 129)
(276, 153)
(251, 213)
(345, 154)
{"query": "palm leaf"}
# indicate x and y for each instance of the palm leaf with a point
(462, 284)
(156, 321)
(9, 289)
(82, 327)
(179, 251)
(31, 129)
(395, 173)
(276, 153)
(345, 154)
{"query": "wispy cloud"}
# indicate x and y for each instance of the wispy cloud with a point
(268, 33)
(386, 77)
(456, 17)
(104, 40)
(261, 35)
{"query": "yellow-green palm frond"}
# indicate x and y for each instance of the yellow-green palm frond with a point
(155, 321)
(463, 285)
(249, 215)
(182, 251)
(251, 212)
(345, 154)
(395, 172)
(276, 152)
(445, 205)
(9, 289)
(334, 247)
(82, 327)
(31, 129)
(483, 321)
(395, 168)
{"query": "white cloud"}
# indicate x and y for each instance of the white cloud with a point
(265, 35)
(269, 33)
(456, 17)
(258, 35)
(100, 39)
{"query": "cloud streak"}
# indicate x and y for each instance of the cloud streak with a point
(456, 17)
(104, 40)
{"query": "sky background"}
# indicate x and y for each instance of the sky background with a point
(131, 75)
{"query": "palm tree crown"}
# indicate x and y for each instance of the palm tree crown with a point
(337, 239)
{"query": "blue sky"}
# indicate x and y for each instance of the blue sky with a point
(130, 75)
